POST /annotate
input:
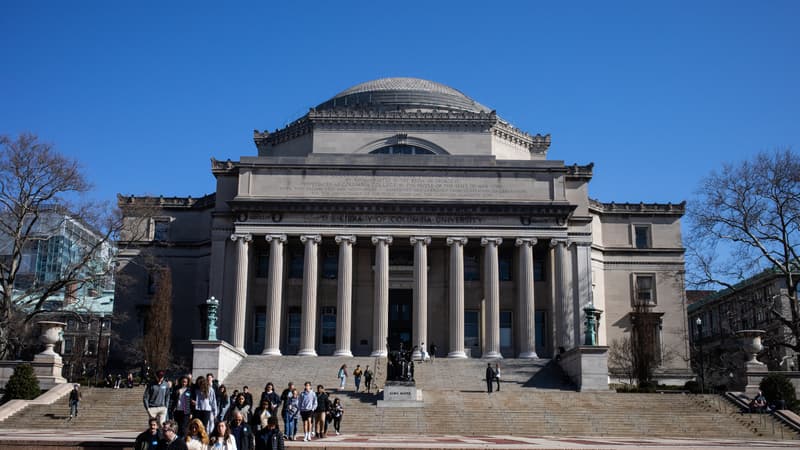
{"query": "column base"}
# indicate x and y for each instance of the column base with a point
(493, 355)
(271, 352)
(378, 354)
(528, 355)
(307, 352)
(457, 355)
(343, 353)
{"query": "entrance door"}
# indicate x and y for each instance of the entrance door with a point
(400, 318)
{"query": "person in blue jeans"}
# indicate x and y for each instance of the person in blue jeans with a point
(290, 414)
(74, 401)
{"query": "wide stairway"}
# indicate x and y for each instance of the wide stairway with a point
(535, 399)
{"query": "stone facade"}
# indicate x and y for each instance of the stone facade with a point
(402, 216)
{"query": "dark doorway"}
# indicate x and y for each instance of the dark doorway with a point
(400, 318)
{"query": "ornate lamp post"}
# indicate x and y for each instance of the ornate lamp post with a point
(699, 323)
(212, 304)
(592, 324)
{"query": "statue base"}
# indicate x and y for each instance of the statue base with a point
(401, 394)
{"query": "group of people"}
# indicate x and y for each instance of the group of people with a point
(182, 412)
(358, 374)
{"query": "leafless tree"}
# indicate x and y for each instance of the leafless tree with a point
(158, 335)
(36, 180)
(745, 220)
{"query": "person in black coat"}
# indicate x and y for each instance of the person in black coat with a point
(271, 437)
(241, 432)
(489, 378)
(171, 441)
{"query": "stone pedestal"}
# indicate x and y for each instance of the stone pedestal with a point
(587, 367)
(216, 357)
(401, 394)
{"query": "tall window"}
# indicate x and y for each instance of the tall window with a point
(330, 265)
(642, 236)
(328, 326)
(645, 294)
(506, 264)
(160, 229)
(262, 267)
(472, 265)
(472, 329)
(506, 331)
(293, 326)
(259, 325)
(296, 263)
(538, 269)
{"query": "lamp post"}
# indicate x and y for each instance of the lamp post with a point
(212, 304)
(699, 323)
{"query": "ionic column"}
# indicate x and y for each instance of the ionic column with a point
(380, 320)
(491, 292)
(563, 311)
(527, 309)
(344, 295)
(308, 326)
(240, 305)
(420, 326)
(272, 343)
(583, 253)
(456, 296)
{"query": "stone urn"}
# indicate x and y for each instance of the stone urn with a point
(50, 336)
(751, 344)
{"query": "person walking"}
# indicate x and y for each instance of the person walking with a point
(342, 375)
(74, 401)
(271, 437)
(292, 412)
(241, 432)
(368, 378)
(196, 436)
(221, 438)
(337, 411)
(149, 439)
(323, 405)
(171, 440)
(156, 398)
(357, 373)
(272, 398)
(433, 353)
(182, 401)
(307, 404)
(497, 375)
(489, 378)
(204, 403)
(286, 397)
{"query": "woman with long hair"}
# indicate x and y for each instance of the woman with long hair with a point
(196, 436)
(337, 411)
(223, 402)
(239, 405)
(204, 402)
(221, 438)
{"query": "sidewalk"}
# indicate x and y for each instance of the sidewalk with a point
(99, 439)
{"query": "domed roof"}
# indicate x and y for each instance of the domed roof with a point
(403, 93)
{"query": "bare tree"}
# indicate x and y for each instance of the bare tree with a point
(746, 220)
(158, 335)
(38, 185)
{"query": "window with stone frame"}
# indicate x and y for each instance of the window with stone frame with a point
(642, 236)
(262, 265)
(506, 264)
(328, 320)
(644, 289)
(293, 326)
(161, 228)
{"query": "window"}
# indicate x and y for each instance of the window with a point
(541, 331)
(642, 236)
(645, 292)
(296, 264)
(472, 328)
(330, 265)
(402, 149)
(506, 332)
(401, 256)
(293, 326)
(69, 344)
(472, 266)
(506, 264)
(328, 326)
(259, 325)
(160, 229)
(262, 265)
(538, 270)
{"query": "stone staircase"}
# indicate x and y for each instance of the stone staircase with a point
(535, 399)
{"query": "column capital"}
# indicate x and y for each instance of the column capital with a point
(315, 238)
(425, 240)
(491, 240)
(348, 239)
(276, 237)
(387, 239)
(247, 237)
(556, 241)
(461, 240)
(581, 243)
(529, 241)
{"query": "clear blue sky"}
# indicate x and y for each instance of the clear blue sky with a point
(656, 94)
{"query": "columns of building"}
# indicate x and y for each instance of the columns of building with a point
(563, 306)
(344, 295)
(527, 311)
(583, 253)
(419, 331)
(240, 303)
(272, 341)
(380, 320)
(308, 325)
(457, 296)
(491, 293)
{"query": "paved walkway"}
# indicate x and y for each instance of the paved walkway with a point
(96, 439)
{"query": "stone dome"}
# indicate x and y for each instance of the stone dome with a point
(408, 94)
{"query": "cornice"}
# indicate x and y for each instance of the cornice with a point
(535, 144)
(130, 201)
(638, 208)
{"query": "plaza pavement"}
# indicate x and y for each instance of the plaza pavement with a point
(107, 439)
